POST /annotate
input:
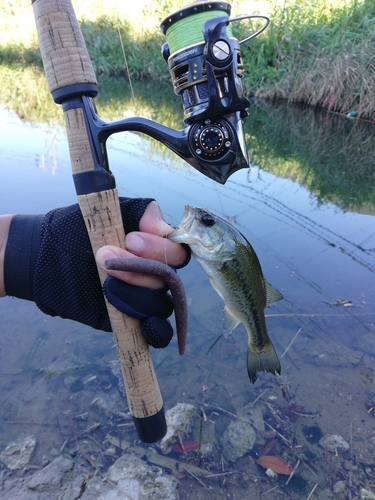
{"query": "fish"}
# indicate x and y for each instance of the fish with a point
(234, 270)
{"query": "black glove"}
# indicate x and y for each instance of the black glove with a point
(49, 260)
(152, 307)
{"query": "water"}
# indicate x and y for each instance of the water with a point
(316, 247)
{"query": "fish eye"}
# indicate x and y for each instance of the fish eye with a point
(207, 220)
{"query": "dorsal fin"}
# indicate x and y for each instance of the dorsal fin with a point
(272, 295)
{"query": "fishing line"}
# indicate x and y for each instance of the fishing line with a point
(188, 30)
(126, 65)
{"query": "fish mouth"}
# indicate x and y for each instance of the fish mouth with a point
(181, 233)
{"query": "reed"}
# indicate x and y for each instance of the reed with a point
(320, 54)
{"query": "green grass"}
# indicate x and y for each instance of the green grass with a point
(319, 56)
(316, 52)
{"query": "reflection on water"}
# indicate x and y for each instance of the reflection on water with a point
(330, 155)
(56, 379)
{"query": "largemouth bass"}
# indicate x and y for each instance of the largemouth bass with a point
(235, 273)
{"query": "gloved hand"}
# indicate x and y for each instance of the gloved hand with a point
(152, 307)
(49, 260)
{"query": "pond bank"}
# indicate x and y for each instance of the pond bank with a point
(320, 54)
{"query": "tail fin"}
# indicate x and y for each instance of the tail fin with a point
(262, 359)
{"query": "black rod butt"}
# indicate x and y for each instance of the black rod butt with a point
(151, 429)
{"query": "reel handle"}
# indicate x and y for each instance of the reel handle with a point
(71, 79)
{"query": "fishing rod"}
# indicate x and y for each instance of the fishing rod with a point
(206, 67)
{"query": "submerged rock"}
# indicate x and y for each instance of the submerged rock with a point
(17, 455)
(178, 424)
(367, 495)
(238, 439)
(53, 480)
(254, 415)
(334, 443)
(59, 479)
(130, 478)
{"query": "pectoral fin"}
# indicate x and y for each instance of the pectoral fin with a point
(272, 295)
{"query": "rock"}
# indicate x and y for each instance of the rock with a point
(129, 478)
(334, 443)
(367, 495)
(254, 415)
(271, 473)
(132, 479)
(238, 439)
(52, 476)
(60, 479)
(313, 477)
(339, 487)
(17, 455)
(178, 424)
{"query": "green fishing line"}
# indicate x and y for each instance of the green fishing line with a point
(188, 31)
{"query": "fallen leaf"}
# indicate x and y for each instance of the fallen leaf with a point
(268, 446)
(275, 463)
(185, 446)
(179, 475)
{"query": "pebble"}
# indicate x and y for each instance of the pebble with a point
(17, 454)
(334, 443)
(238, 439)
(339, 487)
(130, 478)
(178, 424)
(367, 495)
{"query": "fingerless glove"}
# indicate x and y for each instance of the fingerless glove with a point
(49, 260)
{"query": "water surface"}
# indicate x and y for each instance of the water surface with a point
(316, 246)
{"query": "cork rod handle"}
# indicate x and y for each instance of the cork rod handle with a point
(70, 76)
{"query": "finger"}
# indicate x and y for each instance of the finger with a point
(151, 246)
(153, 221)
(138, 279)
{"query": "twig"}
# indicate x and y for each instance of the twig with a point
(233, 415)
(223, 474)
(260, 396)
(278, 433)
(65, 443)
(291, 342)
(244, 420)
(268, 491)
(25, 422)
(313, 315)
(312, 491)
(293, 472)
(199, 481)
(213, 345)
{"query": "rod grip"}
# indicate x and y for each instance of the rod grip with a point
(66, 62)
(70, 74)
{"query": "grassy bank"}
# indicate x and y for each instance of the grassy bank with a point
(319, 53)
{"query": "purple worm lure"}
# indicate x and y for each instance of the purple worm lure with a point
(156, 268)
